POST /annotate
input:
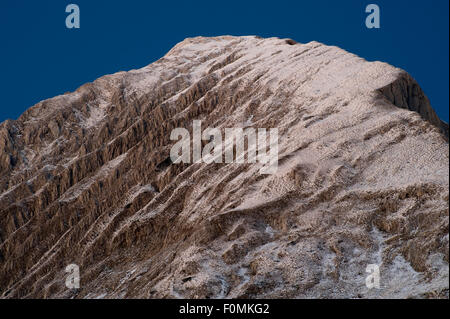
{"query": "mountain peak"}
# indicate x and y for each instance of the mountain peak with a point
(86, 178)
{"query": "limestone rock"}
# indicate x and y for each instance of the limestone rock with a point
(363, 179)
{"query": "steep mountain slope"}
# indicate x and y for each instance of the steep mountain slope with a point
(363, 178)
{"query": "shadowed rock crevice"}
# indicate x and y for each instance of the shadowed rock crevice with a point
(406, 93)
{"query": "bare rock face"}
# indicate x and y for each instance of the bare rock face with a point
(363, 178)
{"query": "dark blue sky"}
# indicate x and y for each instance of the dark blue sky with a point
(41, 58)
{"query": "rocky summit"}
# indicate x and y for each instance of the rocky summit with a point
(362, 182)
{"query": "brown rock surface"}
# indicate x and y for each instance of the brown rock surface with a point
(362, 179)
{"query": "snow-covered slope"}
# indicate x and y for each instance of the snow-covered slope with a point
(363, 179)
